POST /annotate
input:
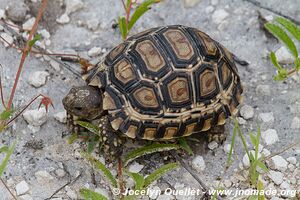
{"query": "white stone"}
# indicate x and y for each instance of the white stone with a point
(227, 148)
(265, 152)
(135, 167)
(43, 176)
(61, 116)
(295, 123)
(70, 193)
(209, 9)
(16, 11)
(35, 117)
(38, 79)
(292, 160)
(214, 2)
(60, 173)
(267, 117)
(284, 56)
(44, 33)
(95, 51)
(55, 65)
(190, 3)
(275, 198)
(219, 15)
(241, 121)
(22, 188)
(1, 28)
(263, 90)
(2, 14)
(246, 161)
(155, 192)
(276, 177)
(165, 197)
(227, 183)
(278, 163)
(270, 136)
(25, 197)
(8, 39)
(73, 5)
(212, 145)
(93, 24)
(291, 167)
(64, 19)
(198, 163)
(29, 24)
(247, 112)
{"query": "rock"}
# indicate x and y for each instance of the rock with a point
(61, 116)
(44, 33)
(275, 198)
(29, 24)
(9, 40)
(55, 65)
(43, 176)
(25, 197)
(2, 14)
(165, 197)
(155, 192)
(247, 112)
(35, 117)
(93, 24)
(190, 3)
(269, 136)
(22, 188)
(1, 28)
(292, 160)
(265, 152)
(227, 183)
(70, 193)
(73, 6)
(16, 11)
(284, 56)
(95, 51)
(241, 121)
(263, 90)
(276, 177)
(38, 79)
(266, 117)
(213, 145)
(246, 161)
(227, 148)
(295, 123)
(278, 163)
(291, 167)
(135, 167)
(214, 2)
(64, 19)
(209, 9)
(198, 163)
(60, 173)
(219, 15)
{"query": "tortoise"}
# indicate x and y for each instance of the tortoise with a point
(163, 83)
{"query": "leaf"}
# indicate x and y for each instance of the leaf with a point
(6, 159)
(159, 173)
(89, 126)
(283, 36)
(290, 26)
(253, 197)
(229, 160)
(141, 10)
(138, 179)
(72, 138)
(147, 150)
(91, 195)
(92, 143)
(262, 166)
(297, 64)
(275, 61)
(100, 166)
(184, 145)
(36, 38)
(260, 188)
(6, 114)
(3, 149)
(253, 139)
(123, 27)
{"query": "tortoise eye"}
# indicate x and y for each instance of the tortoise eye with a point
(78, 108)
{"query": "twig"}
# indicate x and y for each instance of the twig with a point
(1, 88)
(62, 187)
(15, 198)
(258, 4)
(187, 168)
(25, 52)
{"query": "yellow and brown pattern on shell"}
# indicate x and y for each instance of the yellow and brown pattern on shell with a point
(168, 82)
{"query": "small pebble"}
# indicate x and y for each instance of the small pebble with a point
(60, 173)
(44, 33)
(38, 79)
(295, 123)
(135, 167)
(198, 163)
(190, 3)
(247, 112)
(64, 19)
(284, 56)
(209, 9)
(276, 177)
(22, 188)
(95, 51)
(16, 11)
(2, 14)
(43, 176)
(1, 28)
(70, 193)
(227, 148)
(61, 116)
(8, 39)
(263, 90)
(35, 117)
(291, 167)
(219, 15)
(241, 121)
(213, 145)
(278, 163)
(156, 191)
(73, 5)
(55, 65)
(29, 24)
(246, 161)
(165, 197)
(270, 136)
(267, 117)
(292, 160)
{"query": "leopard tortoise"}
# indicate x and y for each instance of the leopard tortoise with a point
(164, 83)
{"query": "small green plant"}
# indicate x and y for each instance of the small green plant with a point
(284, 37)
(128, 21)
(8, 151)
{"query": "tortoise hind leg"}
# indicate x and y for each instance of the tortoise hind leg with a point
(217, 134)
(110, 140)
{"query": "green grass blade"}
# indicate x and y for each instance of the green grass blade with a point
(123, 27)
(290, 26)
(140, 11)
(243, 140)
(229, 157)
(278, 32)
(147, 150)
(184, 145)
(6, 114)
(260, 188)
(138, 179)
(100, 166)
(89, 126)
(72, 138)
(253, 139)
(91, 195)
(262, 166)
(6, 159)
(297, 64)
(159, 173)
(3, 149)
(275, 61)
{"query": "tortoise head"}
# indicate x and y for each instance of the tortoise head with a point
(84, 102)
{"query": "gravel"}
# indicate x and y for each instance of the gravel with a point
(270, 136)
(198, 163)
(22, 188)
(219, 16)
(278, 163)
(16, 10)
(247, 112)
(38, 79)
(276, 177)
(36, 117)
(284, 56)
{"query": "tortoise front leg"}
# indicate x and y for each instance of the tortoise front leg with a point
(217, 134)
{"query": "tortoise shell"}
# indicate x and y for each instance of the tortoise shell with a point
(168, 82)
